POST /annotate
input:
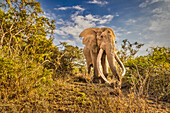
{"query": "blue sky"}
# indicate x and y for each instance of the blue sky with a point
(145, 21)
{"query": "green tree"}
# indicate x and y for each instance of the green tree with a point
(24, 48)
(24, 28)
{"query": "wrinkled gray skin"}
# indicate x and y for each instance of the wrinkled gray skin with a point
(94, 40)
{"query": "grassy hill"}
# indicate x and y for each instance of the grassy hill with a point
(73, 95)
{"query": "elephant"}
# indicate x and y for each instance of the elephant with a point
(99, 44)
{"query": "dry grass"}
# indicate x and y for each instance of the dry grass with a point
(70, 96)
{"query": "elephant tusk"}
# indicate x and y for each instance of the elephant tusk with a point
(121, 64)
(99, 65)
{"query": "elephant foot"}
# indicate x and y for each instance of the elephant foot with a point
(98, 80)
(101, 79)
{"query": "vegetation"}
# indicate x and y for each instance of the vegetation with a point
(36, 76)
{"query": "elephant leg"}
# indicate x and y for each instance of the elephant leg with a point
(89, 68)
(88, 59)
(94, 60)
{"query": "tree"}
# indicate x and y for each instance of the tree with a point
(23, 26)
(129, 49)
(71, 59)
(24, 47)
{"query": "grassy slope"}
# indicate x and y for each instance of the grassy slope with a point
(74, 95)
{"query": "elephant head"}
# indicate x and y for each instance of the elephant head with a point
(102, 40)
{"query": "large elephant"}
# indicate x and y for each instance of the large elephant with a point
(99, 43)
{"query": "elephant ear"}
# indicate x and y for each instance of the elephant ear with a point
(88, 35)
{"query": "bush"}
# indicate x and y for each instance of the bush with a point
(21, 76)
(149, 74)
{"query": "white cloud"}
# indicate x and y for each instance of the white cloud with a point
(49, 14)
(60, 21)
(120, 32)
(77, 7)
(117, 14)
(160, 19)
(157, 10)
(144, 4)
(129, 32)
(149, 2)
(98, 2)
(130, 21)
(156, 25)
(154, 1)
(79, 23)
(60, 32)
